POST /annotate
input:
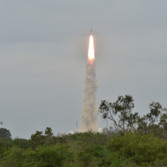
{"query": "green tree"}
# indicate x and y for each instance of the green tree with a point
(48, 132)
(49, 138)
(38, 138)
(48, 156)
(155, 122)
(5, 144)
(120, 112)
(13, 157)
(5, 133)
(143, 150)
(156, 110)
(22, 143)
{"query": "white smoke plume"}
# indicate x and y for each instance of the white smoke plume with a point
(90, 110)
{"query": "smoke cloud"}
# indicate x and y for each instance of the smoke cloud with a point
(90, 111)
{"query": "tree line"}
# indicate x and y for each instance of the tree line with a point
(133, 141)
(122, 117)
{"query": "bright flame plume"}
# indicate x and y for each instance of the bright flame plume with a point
(91, 51)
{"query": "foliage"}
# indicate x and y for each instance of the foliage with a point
(136, 141)
(155, 122)
(5, 144)
(38, 138)
(87, 150)
(22, 143)
(48, 156)
(120, 112)
(13, 157)
(140, 149)
(5, 133)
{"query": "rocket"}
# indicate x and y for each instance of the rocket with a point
(90, 110)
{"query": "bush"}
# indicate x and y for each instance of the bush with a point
(48, 156)
(140, 149)
(13, 157)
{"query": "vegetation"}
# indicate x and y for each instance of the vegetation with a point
(86, 149)
(133, 141)
(121, 115)
(120, 112)
(4, 133)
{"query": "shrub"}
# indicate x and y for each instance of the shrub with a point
(141, 149)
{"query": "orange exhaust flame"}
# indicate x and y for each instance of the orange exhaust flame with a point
(91, 51)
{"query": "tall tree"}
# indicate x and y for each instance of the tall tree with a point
(120, 112)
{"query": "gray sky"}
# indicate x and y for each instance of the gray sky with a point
(43, 51)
